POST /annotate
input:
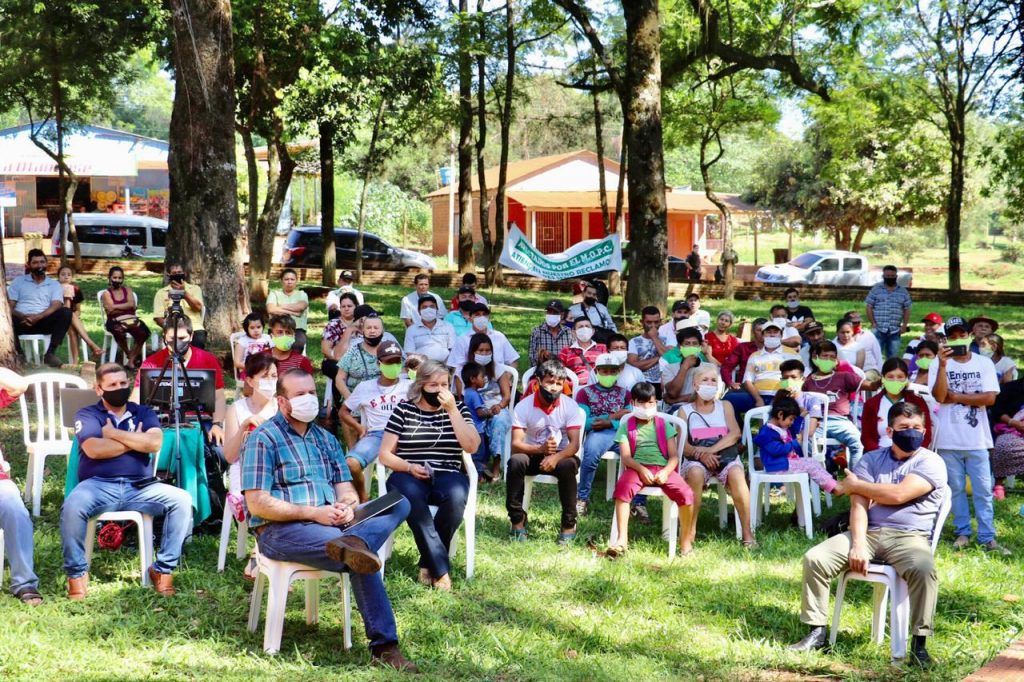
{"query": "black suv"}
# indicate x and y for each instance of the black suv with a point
(305, 249)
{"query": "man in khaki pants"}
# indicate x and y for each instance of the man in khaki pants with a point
(895, 494)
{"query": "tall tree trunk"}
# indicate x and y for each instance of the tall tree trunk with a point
(858, 241)
(8, 353)
(252, 170)
(467, 261)
(494, 275)
(328, 274)
(615, 279)
(368, 168)
(648, 278)
(484, 205)
(280, 169)
(599, 147)
(953, 207)
(729, 269)
(205, 232)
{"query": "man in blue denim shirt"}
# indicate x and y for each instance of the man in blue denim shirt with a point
(298, 492)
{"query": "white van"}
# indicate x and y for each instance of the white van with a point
(104, 235)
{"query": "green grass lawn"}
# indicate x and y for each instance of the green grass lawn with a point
(533, 611)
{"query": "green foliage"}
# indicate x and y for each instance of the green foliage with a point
(904, 242)
(1006, 157)
(1012, 253)
(393, 215)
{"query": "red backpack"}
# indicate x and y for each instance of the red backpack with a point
(659, 429)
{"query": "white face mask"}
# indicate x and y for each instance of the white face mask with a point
(267, 386)
(428, 314)
(644, 412)
(772, 342)
(552, 320)
(707, 391)
(482, 359)
(987, 352)
(305, 408)
(480, 323)
(584, 334)
(793, 304)
(781, 322)
(620, 356)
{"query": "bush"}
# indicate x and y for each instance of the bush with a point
(1012, 253)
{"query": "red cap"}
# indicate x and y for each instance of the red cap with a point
(934, 318)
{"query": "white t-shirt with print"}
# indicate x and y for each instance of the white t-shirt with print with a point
(962, 427)
(375, 402)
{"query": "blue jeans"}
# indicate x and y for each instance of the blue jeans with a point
(496, 428)
(366, 448)
(743, 402)
(95, 496)
(973, 463)
(482, 454)
(596, 444)
(847, 433)
(448, 491)
(17, 527)
(305, 542)
(890, 343)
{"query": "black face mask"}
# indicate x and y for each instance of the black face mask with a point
(116, 285)
(39, 272)
(180, 347)
(465, 306)
(589, 300)
(372, 341)
(547, 396)
(179, 277)
(333, 314)
(117, 397)
(889, 281)
(908, 440)
(433, 399)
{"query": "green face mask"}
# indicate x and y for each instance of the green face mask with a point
(284, 342)
(826, 366)
(958, 342)
(391, 370)
(688, 351)
(925, 362)
(789, 384)
(607, 380)
(893, 386)
(411, 374)
(673, 355)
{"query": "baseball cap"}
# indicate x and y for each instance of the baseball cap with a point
(362, 311)
(607, 360)
(934, 318)
(466, 289)
(389, 351)
(814, 327)
(686, 323)
(346, 274)
(770, 324)
(556, 305)
(954, 323)
(479, 307)
(680, 305)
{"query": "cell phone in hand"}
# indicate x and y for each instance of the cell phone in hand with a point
(959, 351)
(429, 469)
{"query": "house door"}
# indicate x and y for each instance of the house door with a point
(550, 231)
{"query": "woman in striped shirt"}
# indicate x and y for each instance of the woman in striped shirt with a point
(423, 444)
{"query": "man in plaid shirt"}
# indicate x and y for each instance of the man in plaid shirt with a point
(548, 339)
(298, 492)
(888, 307)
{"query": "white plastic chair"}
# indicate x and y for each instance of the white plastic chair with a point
(242, 538)
(547, 478)
(886, 580)
(280, 575)
(513, 385)
(34, 346)
(143, 524)
(1, 557)
(818, 447)
(42, 428)
(760, 480)
(233, 339)
(468, 517)
(669, 509)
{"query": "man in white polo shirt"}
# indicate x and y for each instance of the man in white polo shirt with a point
(431, 336)
(411, 301)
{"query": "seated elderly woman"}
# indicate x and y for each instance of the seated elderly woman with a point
(712, 449)
(423, 444)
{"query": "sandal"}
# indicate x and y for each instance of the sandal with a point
(565, 538)
(615, 551)
(518, 534)
(751, 544)
(30, 596)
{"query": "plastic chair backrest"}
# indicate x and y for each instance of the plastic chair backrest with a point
(759, 413)
(513, 385)
(99, 300)
(233, 339)
(45, 388)
(817, 438)
(940, 519)
(575, 380)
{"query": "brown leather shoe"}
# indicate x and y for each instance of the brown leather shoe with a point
(390, 656)
(77, 587)
(353, 552)
(163, 583)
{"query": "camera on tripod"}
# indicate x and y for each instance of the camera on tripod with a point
(176, 296)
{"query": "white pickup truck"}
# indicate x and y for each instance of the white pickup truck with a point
(825, 267)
